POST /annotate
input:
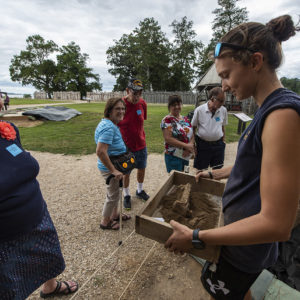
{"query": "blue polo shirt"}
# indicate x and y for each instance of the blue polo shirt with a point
(241, 197)
(21, 203)
(109, 133)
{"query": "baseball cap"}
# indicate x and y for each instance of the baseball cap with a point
(135, 84)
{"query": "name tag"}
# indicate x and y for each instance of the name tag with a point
(139, 112)
(14, 150)
(218, 119)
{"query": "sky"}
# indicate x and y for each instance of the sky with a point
(95, 24)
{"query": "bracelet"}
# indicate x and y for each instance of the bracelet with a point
(210, 175)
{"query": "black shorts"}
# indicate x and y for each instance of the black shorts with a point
(209, 154)
(226, 282)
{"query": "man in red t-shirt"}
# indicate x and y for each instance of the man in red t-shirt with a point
(132, 130)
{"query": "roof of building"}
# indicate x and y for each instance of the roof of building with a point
(210, 78)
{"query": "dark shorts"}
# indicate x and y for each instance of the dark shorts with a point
(175, 163)
(209, 154)
(227, 282)
(141, 158)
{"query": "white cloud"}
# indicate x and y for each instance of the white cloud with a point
(94, 24)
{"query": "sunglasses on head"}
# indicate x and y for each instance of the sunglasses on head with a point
(219, 47)
(137, 82)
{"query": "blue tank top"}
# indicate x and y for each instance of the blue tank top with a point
(241, 197)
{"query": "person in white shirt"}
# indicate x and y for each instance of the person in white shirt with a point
(209, 122)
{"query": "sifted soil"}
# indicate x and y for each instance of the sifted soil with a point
(193, 209)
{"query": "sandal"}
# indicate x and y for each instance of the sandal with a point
(110, 225)
(124, 217)
(58, 290)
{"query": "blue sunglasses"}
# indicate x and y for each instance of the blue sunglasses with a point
(219, 47)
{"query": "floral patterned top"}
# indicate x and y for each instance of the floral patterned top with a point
(182, 130)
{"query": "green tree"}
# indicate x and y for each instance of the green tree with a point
(144, 53)
(33, 66)
(291, 83)
(227, 16)
(185, 53)
(123, 57)
(73, 73)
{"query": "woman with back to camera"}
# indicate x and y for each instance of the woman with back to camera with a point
(30, 253)
(261, 197)
(109, 142)
(178, 135)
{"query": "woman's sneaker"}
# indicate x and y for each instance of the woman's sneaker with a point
(142, 195)
(127, 202)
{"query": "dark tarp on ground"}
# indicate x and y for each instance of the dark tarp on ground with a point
(287, 267)
(53, 113)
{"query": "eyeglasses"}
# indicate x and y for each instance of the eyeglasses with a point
(222, 100)
(219, 47)
(119, 108)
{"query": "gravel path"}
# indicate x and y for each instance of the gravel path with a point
(75, 191)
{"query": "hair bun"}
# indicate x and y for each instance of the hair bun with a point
(282, 27)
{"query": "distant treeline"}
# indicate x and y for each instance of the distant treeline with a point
(291, 84)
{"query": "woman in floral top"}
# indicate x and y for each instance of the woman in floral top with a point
(178, 134)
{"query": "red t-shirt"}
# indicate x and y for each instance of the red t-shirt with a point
(132, 126)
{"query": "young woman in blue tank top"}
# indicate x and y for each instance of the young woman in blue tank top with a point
(263, 190)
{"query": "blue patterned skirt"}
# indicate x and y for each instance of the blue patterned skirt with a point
(30, 260)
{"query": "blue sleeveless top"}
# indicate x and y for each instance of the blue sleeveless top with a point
(241, 197)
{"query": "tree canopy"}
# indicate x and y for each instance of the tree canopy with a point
(73, 73)
(144, 53)
(291, 83)
(69, 71)
(32, 66)
(227, 16)
(185, 54)
(173, 65)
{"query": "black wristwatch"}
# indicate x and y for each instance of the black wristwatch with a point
(197, 243)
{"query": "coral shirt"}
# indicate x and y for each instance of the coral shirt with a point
(132, 126)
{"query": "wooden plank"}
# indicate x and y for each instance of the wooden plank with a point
(152, 228)
(161, 231)
(153, 202)
(204, 185)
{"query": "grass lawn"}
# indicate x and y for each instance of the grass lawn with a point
(76, 136)
(22, 101)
